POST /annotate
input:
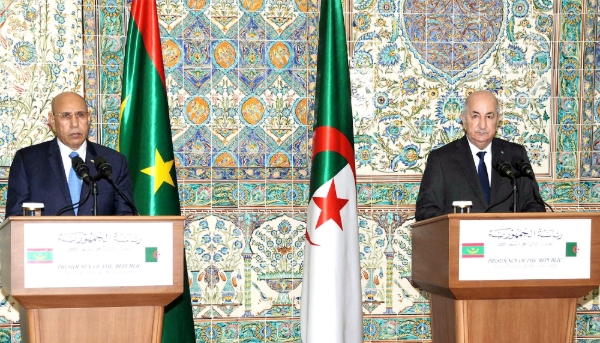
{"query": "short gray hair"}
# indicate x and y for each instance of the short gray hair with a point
(464, 111)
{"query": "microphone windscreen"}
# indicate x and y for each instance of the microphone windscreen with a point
(503, 168)
(76, 161)
(103, 166)
(99, 161)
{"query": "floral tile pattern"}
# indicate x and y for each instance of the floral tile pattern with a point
(590, 161)
(40, 53)
(6, 335)
(587, 325)
(415, 62)
(241, 81)
(249, 263)
(569, 91)
(250, 330)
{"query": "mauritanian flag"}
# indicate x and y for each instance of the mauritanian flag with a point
(472, 250)
(331, 309)
(39, 255)
(145, 139)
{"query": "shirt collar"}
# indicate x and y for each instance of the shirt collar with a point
(66, 151)
(475, 150)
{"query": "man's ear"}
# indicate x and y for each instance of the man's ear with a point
(51, 120)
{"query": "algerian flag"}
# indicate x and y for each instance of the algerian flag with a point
(331, 309)
(145, 139)
(572, 249)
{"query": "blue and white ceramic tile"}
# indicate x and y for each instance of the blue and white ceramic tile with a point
(241, 82)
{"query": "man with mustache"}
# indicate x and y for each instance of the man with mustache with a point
(43, 172)
(463, 170)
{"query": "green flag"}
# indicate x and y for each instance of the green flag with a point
(151, 254)
(145, 139)
(572, 249)
(331, 309)
(472, 250)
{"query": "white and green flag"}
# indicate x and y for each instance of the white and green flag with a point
(331, 309)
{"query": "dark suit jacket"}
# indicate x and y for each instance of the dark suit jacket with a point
(451, 175)
(37, 175)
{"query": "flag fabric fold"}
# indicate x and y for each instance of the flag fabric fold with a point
(331, 303)
(145, 139)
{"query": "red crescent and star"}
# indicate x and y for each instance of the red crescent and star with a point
(331, 205)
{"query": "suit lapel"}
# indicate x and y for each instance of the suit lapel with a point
(86, 208)
(465, 159)
(56, 164)
(501, 186)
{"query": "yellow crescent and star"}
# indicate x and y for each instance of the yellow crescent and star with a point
(40, 255)
(473, 250)
(161, 171)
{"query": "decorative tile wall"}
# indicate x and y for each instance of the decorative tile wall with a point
(416, 61)
(40, 56)
(241, 79)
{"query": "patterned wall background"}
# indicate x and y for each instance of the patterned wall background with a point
(241, 77)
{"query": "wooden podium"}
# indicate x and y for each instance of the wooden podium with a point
(494, 311)
(88, 313)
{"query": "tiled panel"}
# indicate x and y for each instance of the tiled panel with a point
(40, 56)
(6, 334)
(589, 112)
(409, 328)
(426, 60)
(569, 67)
(241, 83)
(249, 263)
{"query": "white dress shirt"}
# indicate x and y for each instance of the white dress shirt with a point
(65, 151)
(487, 158)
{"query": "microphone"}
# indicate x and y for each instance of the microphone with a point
(504, 169)
(81, 168)
(103, 167)
(523, 167)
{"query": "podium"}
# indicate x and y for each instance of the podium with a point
(505, 299)
(92, 279)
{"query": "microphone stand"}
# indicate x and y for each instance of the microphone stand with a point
(95, 195)
(514, 182)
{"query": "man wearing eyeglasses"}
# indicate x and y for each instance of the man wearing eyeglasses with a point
(43, 172)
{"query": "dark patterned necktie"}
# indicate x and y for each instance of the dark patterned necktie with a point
(483, 176)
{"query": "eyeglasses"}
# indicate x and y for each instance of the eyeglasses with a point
(69, 115)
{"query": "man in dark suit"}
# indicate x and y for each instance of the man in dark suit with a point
(43, 172)
(462, 170)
